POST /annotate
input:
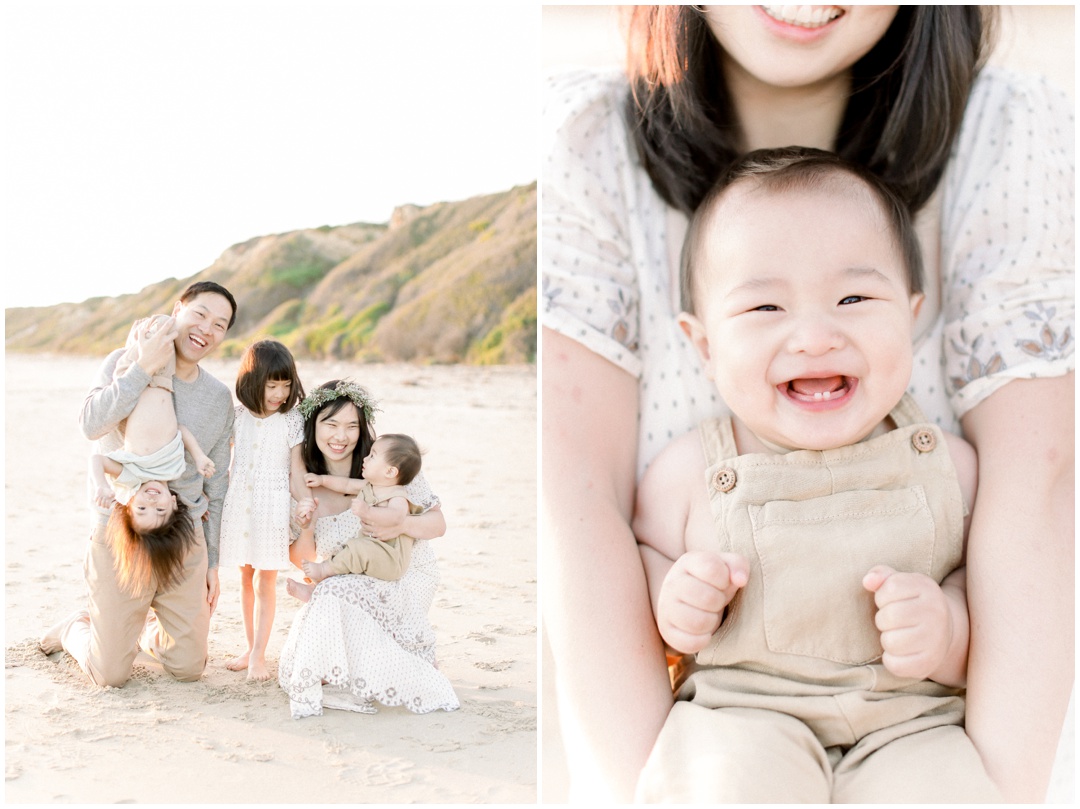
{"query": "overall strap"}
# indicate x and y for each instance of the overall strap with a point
(907, 412)
(717, 440)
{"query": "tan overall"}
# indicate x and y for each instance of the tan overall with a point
(790, 703)
(381, 560)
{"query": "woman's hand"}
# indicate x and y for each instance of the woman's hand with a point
(378, 523)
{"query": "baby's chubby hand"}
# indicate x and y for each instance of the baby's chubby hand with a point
(695, 592)
(914, 619)
(312, 481)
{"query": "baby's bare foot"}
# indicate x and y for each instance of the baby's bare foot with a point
(256, 670)
(238, 663)
(299, 590)
(316, 571)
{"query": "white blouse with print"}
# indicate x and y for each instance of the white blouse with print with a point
(997, 240)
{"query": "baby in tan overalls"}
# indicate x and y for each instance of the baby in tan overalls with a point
(391, 465)
(808, 550)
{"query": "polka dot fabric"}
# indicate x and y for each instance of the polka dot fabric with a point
(258, 505)
(998, 245)
(360, 641)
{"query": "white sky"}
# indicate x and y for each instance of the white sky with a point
(140, 139)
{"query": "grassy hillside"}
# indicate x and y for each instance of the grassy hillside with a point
(454, 282)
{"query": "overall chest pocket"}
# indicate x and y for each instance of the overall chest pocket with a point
(813, 555)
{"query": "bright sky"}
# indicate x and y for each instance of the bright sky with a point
(140, 139)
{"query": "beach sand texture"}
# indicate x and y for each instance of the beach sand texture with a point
(224, 739)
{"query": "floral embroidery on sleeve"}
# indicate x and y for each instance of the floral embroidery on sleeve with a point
(1049, 346)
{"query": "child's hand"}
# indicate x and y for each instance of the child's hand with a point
(104, 497)
(914, 619)
(305, 509)
(205, 466)
(694, 594)
(312, 481)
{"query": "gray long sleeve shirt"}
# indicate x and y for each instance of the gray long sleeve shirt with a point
(204, 406)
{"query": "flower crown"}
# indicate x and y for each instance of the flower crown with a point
(356, 394)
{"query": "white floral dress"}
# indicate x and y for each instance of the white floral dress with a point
(361, 640)
(255, 518)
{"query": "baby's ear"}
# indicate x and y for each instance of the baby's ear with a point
(695, 330)
(917, 299)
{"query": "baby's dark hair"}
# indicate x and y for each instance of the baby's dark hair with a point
(402, 451)
(152, 559)
(264, 361)
(798, 168)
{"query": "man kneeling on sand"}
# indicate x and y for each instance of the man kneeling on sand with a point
(142, 593)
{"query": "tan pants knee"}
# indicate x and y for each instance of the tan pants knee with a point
(380, 560)
(734, 755)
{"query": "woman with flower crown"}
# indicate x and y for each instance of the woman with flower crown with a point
(359, 640)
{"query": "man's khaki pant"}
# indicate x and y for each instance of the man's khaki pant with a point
(172, 626)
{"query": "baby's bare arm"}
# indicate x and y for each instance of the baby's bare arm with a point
(688, 589)
(203, 463)
(397, 506)
(334, 483)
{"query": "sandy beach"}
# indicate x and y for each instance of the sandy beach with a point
(225, 739)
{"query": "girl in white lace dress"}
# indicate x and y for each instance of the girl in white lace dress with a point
(255, 522)
(359, 640)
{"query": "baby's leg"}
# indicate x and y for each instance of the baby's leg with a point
(164, 377)
(299, 590)
(152, 424)
(936, 765)
(381, 560)
(734, 755)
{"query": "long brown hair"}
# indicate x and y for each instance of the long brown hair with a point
(908, 98)
(152, 560)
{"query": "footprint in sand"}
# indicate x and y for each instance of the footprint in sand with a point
(394, 772)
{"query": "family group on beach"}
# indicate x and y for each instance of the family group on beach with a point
(183, 481)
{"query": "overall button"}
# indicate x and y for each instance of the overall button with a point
(924, 441)
(724, 480)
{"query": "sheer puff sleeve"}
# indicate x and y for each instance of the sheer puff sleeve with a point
(1007, 239)
(589, 280)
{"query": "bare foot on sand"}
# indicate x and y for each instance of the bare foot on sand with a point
(50, 641)
(299, 590)
(316, 571)
(238, 663)
(256, 670)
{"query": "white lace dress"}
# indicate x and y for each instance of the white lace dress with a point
(361, 640)
(255, 518)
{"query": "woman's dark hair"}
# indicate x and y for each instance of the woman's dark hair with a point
(799, 168)
(262, 362)
(908, 98)
(152, 560)
(313, 457)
